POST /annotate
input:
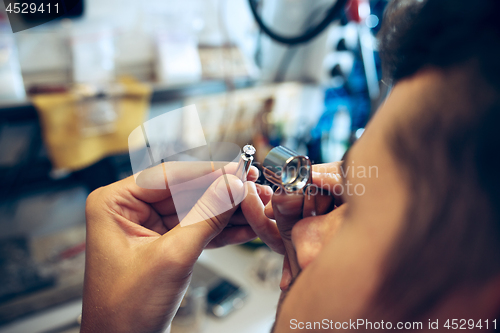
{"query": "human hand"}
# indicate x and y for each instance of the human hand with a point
(290, 208)
(139, 259)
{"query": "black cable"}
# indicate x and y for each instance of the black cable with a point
(293, 49)
(333, 14)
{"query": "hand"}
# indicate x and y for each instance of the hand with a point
(253, 210)
(290, 208)
(319, 199)
(139, 259)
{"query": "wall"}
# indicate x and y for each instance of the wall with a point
(135, 25)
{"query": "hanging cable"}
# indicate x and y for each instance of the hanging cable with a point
(334, 13)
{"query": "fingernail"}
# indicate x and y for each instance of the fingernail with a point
(268, 211)
(267, 190)
(255, 170)
(286, 279)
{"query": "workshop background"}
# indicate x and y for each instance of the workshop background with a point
(72, 90)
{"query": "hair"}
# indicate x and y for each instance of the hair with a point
(450, 153)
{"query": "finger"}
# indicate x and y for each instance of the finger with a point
(161, 176)
(266, 196)
(268, 210)
(327, 181)
(253, 209)
(208, 217)
(325, 203)
(172, 220)
(156, 224)
(185, 201)
(253, 174)
(168, 222)
(154, 184)
(202, 174)
(237, 219)
(328, 168)
(265, 193)
(288, 209)
(232, 236)
(286, 276)
(179, 201)
(328, 177)
(309, 208)
(165, 207)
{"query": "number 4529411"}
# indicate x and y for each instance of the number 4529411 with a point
(32, 8)
(463, 324)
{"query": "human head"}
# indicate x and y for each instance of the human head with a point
(427, 230)
(451, 238)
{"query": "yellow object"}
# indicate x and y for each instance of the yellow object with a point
(69, 143)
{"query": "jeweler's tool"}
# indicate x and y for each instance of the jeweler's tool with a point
(285, 168)
(245, 162)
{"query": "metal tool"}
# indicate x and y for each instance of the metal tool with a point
(285, 168)
(245, 162)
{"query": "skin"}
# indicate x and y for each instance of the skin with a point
(137, 255)
(139, 260)
(336, 260)
(341, 254)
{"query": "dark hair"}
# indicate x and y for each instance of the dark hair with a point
(440, 33)
(450, 152)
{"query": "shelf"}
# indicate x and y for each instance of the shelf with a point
(25, 111)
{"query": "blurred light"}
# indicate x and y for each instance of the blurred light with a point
(364, 10)
(359, 132)
(372, 21)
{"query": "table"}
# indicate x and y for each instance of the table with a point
(232, 262)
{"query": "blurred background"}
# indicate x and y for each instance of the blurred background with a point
(73, 89)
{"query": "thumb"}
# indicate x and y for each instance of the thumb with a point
(211, 214)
